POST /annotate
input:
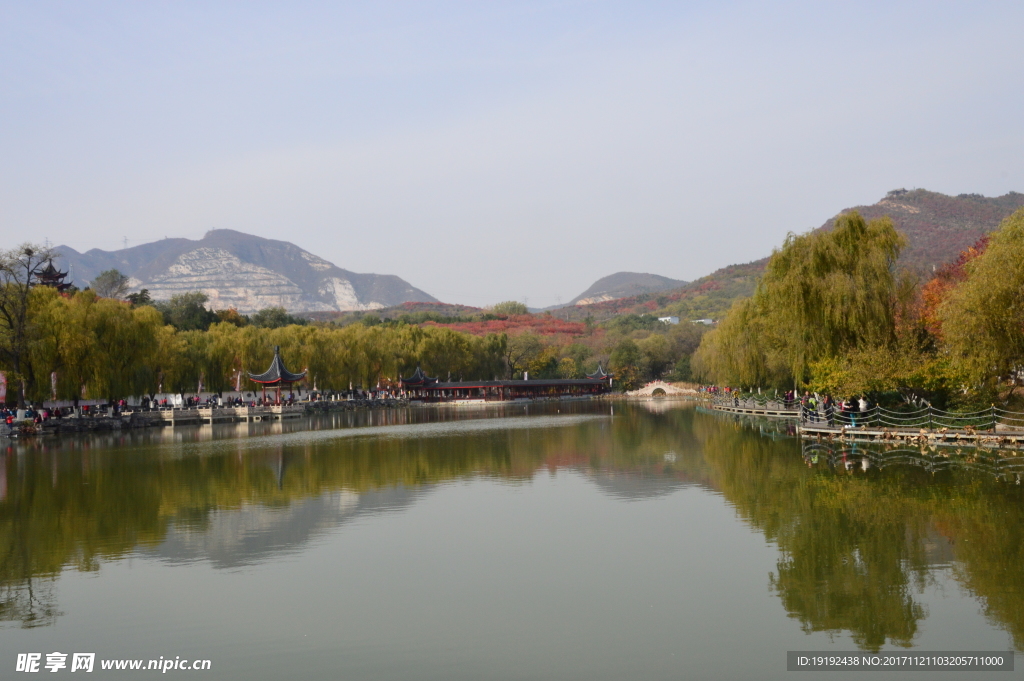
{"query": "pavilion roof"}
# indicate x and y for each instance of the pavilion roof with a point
(418, 378)
(277, 373)
(600, 374)
(51, 271)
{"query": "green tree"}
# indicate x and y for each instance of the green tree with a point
(628, 364)
(126, 345)
(822, 295)
(230, 316)
(545, 364)
(19, 268)
(520, 350)
(274, 318)
(983, 318)
(657, 352)
(187, 312)
(111, 284)
(64, 341)
(445, 353)
(510, 308)
(568, 368)
(139, 299)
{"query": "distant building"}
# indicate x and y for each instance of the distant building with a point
(668, 320)
(52, 277)
(705, 322)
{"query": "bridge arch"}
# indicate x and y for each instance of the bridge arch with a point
(659, 389)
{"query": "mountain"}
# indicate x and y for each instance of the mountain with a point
(245, 272)
(938, 227)
(709, 297)
(623, 284)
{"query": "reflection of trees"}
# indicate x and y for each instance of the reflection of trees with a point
(990, 551)
(850, 564)
(72, 504)
(30, 601)
(853, 542)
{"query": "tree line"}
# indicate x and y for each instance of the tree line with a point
(105, 343)
(832, 314)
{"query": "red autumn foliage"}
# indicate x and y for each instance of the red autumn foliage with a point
(935, 292)
(541, 324)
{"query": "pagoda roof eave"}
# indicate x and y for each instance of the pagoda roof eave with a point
(277, 373)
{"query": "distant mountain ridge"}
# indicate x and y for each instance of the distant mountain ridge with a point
(938, 227)
(244, 272)
(624, 284)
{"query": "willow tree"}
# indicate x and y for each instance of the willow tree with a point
(127, 342)
(63, 341)
(19, 269)
(983, 317)
(734, 352)
(822, 295)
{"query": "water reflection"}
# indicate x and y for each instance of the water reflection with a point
(861, 532)
(231, 538)
(859, 535)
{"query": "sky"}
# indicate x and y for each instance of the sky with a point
(490, 151)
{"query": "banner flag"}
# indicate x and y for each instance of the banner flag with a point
(3, 387)
(53, 385)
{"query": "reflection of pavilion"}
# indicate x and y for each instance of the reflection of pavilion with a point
(276, 376)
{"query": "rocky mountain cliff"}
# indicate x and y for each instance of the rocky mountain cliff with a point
(244, 272)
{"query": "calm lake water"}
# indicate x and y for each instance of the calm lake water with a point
(590, 541)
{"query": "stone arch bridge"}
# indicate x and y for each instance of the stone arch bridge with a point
(660, 388)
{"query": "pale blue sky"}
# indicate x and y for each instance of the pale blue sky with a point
(490, 151)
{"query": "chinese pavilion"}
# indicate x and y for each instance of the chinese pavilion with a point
(601, 375)
(52, 277)
(276, 376)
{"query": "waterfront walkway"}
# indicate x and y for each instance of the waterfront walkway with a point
(171, 417)
(926, 425)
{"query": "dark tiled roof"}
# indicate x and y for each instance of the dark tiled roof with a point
(277, 372)
(419, 378)
(600, 374)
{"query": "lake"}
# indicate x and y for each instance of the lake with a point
(587, 540)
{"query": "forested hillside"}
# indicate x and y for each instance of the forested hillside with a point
(937, 227)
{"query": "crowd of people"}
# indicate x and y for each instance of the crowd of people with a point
(813, 407)
(9, 416)
(823, 408)
(40, 414)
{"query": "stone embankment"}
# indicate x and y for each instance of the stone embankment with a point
(191, 416)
